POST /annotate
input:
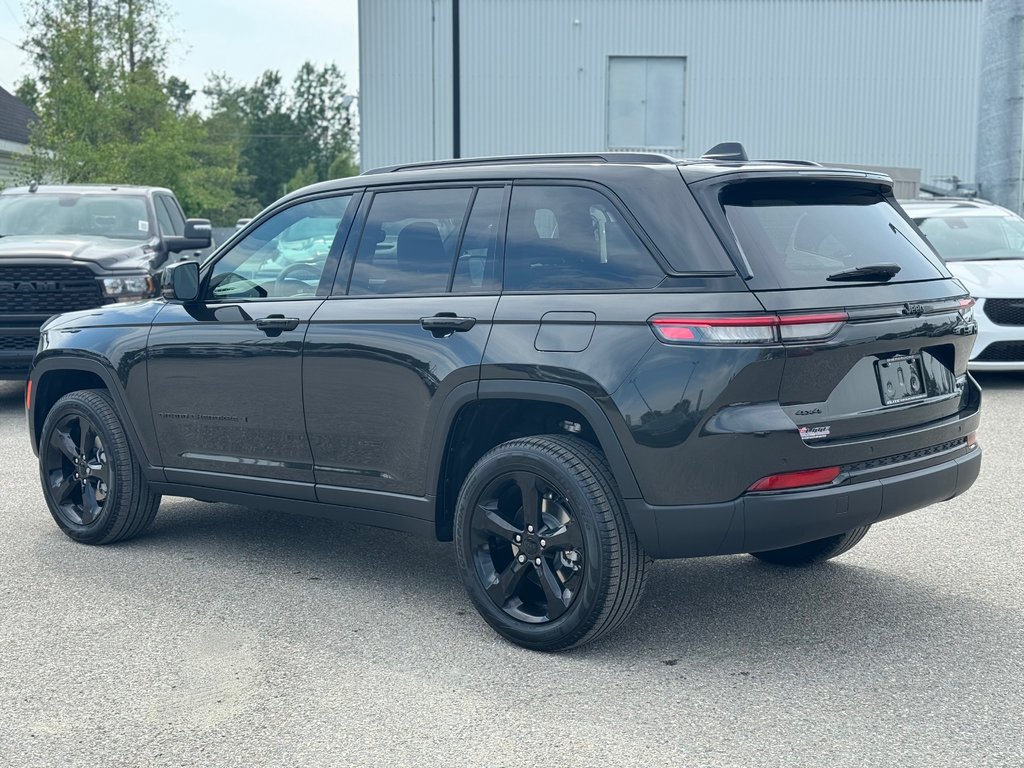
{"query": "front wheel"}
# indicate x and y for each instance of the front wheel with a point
(544, 546)
(815, 551)
(91, 479)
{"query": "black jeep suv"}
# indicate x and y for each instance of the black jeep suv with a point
(567, 364)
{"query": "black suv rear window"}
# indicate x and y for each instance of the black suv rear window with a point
(796, 234)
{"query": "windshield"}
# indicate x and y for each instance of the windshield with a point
(796, 234)
(75, 214)
(972, 238)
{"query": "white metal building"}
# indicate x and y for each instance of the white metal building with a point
(879, 82)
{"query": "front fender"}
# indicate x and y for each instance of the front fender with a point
(54, 374)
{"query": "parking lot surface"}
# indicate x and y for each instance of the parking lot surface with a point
(229, 637)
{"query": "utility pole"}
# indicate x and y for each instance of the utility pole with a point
(1000, 160)
(456, 95)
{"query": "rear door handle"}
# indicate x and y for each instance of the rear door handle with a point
(273, 325)
(446, 323)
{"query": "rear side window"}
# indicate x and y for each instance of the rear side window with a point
(565, 238)
(409, 241)
(478, 269)
(798, 234)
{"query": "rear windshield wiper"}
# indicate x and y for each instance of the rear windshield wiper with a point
(867, 273)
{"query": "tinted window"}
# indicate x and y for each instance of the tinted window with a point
(477, 268)
(795, 234)
(563, 238)
(167, 207)
(284, 257)
(163, 218)
(964, 238)
(408, 243)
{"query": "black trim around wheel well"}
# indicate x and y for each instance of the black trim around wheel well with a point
(45, 370)
(473, 419)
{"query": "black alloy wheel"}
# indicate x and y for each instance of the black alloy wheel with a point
(76, 470)
(92, 482)
(527, 547)
(544, 546)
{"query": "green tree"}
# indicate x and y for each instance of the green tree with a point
(108, 112)
(321, 108)
(288, 139)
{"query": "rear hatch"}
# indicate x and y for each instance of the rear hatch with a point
(876, 330)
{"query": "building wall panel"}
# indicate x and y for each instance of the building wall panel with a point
(883, 82)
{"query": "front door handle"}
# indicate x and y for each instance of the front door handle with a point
(273, 325)
(446, 323)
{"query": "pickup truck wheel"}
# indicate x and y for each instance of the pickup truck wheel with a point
(815, 551)
(91, 480)
(544, 546)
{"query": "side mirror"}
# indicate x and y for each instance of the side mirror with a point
(181, 281)
(198, 235)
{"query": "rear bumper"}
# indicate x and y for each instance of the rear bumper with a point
(762, 521)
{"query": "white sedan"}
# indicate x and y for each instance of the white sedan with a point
(983, 246)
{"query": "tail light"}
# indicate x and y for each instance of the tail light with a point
(805, 478)
(967, 310)
(748, 329)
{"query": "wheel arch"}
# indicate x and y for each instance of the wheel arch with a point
(53, 378)
(473, 420)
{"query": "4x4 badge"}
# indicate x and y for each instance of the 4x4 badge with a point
(815, 433)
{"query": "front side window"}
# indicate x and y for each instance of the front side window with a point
(71, 214)
(564, 238)
(409, 241)
(175, 221)
(284, 257)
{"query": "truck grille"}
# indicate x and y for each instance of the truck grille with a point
(1005, 311)
(18, 343)
(47, 290)
(1003, 352)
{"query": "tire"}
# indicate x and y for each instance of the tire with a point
(812, 552)
(577, 574)
(91, 479)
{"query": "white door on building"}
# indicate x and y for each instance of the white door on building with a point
(647, 103)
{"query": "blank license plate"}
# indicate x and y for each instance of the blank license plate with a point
(900, 380)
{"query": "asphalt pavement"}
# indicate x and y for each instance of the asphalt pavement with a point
(229, 637)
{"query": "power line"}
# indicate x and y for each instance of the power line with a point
(11, 11)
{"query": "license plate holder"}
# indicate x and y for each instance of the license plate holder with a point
(900, 380)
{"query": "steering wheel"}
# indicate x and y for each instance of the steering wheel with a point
(230, 278)
(284, 278)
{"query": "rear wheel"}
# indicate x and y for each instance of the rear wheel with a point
(545, 549)
(815, 551)
(91, 479)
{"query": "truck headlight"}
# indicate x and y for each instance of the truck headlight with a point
(128, 288)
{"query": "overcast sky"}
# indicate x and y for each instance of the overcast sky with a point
(240, 37)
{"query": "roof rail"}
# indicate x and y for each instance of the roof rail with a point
(794, 162)
(646, 158)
